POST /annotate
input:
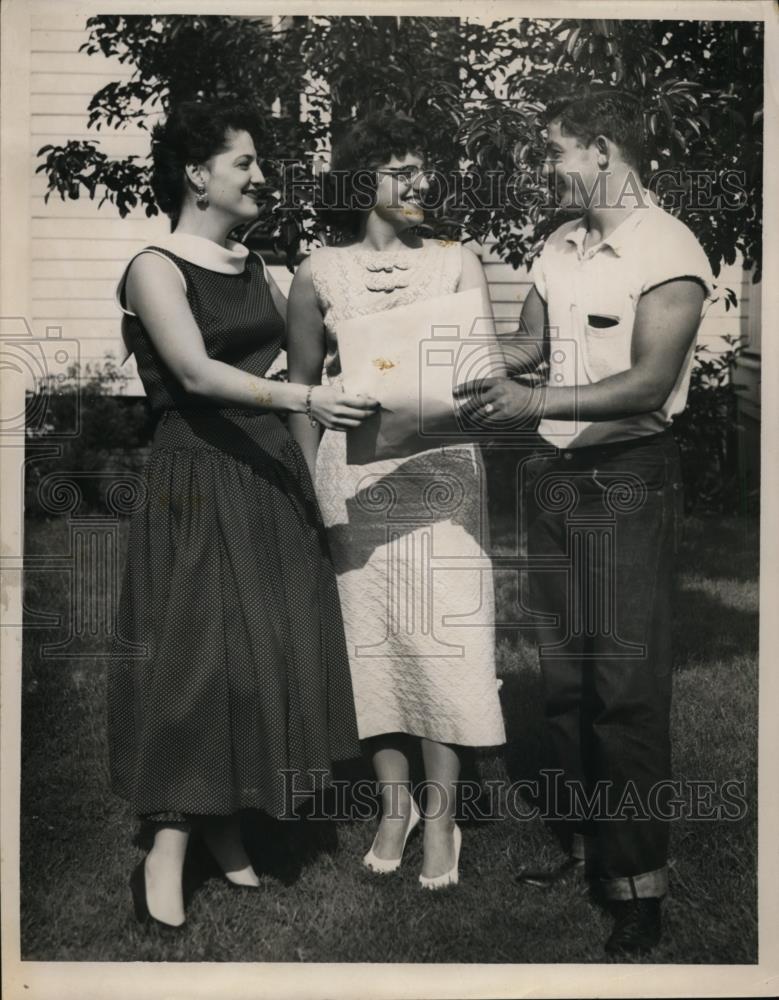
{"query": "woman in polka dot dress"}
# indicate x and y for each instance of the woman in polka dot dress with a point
(230, 667)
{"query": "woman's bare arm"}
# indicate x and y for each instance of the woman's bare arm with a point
(305, 352)
(305, 355)
(155, 295)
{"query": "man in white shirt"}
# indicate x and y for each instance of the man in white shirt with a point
(617, 299)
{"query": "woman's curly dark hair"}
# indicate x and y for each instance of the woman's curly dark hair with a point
(366, 144)
(193, 132)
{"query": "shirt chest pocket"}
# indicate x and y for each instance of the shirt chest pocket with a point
(607, 328)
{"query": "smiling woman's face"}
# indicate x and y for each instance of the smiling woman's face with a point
(400, 189)
(232, 176)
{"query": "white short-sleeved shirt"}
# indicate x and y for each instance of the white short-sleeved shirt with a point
(591, 298)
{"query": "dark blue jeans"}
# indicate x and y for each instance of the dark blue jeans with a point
(602, 532)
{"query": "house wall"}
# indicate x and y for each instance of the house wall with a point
(747, 380)
(78, 248)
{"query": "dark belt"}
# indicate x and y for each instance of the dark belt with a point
(612, 448)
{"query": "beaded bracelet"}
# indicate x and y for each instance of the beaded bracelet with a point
(311, 419)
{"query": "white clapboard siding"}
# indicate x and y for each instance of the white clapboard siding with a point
(70, 19)
(504, 273)
(71, 62)
(50, 289)
(101, 227)
(506, 311)
(92, 329)
(80, 208)
(59, 38)
(513, 292)
(76, 270)
(118, 248)
(39, 190)
(59, 104)
(281, 276)
(754, 325)
(720, 321)
(74, 126)
(508, 286)
(113, 144)
(78, 249)
(81, 308)
(53, 82)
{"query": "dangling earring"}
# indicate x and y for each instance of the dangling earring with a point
(201, 200)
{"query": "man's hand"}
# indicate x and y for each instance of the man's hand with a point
(501, 403)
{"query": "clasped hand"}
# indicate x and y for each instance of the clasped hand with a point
(500, 401)
(338, 410)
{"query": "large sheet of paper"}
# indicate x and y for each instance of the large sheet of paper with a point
(412, 359)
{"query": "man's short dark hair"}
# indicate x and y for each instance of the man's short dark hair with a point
(613, 113)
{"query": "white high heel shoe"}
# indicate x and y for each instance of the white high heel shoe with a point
(386, 865)
(452, 877)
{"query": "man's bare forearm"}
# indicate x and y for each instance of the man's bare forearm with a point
(627, 394)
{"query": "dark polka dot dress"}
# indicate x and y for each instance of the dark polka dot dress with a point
(229, 682)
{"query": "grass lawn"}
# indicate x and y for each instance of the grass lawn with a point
(79, 843)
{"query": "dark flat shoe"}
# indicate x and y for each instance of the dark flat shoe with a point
(140, 904)
(545, 878)
(637, 926)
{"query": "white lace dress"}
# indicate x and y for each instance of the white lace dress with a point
(409, 537)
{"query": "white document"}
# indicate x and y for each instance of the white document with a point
(411, 359)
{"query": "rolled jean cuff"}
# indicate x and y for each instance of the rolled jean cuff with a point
(581, 846)
(644, 886)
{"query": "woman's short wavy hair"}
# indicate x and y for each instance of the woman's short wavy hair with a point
(365, 145)
(193, 132)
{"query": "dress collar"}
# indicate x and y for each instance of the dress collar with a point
(229, 259)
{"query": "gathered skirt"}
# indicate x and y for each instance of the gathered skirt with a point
(229, 683)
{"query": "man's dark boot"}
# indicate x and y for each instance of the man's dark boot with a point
(545, 878)
(637, 926)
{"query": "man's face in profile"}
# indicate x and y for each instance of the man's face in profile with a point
(571, 170)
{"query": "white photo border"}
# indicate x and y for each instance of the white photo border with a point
(98, 981)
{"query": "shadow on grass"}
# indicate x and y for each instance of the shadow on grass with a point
(317, 903)
(706, 629)
(523, 709)
(720, 547)
(278, 848)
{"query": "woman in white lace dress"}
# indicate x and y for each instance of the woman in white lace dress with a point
(408, 536)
